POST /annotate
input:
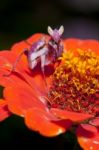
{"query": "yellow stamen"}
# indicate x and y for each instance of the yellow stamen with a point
(75, 82)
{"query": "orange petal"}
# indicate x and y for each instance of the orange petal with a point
(7, 56)
(91, 44)
(4, 112)
(20, 46)
(88, 137)
(7, 60)
(17, 48)
(35, 37)
(21, 98)
(22, 74)
(73, 116)
(42, 121)
(73, 44)
(13, 78)
(36, 80)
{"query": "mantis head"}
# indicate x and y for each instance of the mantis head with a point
(56, 33)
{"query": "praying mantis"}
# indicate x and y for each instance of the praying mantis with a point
(45, 51)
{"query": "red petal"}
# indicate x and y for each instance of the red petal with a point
(73, 116)
(4, 112)
(42, 121)
(95, 122)
(21, 98)
(88, 137)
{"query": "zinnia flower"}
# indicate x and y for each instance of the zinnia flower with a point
(71, 98)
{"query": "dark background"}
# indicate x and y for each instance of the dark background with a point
(19, 19)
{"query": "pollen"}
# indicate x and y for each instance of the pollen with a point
(75, 83)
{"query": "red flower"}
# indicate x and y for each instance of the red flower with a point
(48, 112)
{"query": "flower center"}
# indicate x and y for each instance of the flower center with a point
(75, 83)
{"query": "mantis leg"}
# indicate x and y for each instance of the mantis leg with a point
(43, 60)
(16, 62)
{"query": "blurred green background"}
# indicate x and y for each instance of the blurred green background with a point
(19, 19)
